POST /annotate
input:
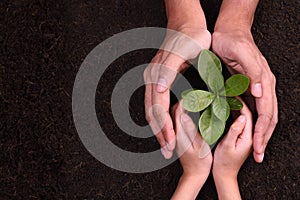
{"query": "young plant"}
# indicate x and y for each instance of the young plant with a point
(216, 102)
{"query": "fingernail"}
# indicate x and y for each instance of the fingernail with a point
(161, 85)
(163, 151)
(242, 118)
(184, 118)
(257, 91)
(167, 154)
(169, 147)
(261, 157)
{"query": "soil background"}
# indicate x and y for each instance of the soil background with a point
(43, 44)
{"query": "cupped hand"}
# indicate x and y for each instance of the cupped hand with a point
(235, 147)
(238, 51)
(194, 153)
(179, 46)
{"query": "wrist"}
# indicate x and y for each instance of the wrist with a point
(197, 179)
(188, 187)
(227, 188)
(236, 15)
(222, 175)
(184, 14)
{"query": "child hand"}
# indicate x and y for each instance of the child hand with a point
(235, 147)
(194, 154)
(231, 153)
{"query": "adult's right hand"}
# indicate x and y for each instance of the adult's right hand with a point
(161, 73)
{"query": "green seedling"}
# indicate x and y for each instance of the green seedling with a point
(218, 101)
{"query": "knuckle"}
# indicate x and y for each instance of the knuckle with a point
(234, 128)
(256, 74)
(157, 112)
(274, 121)
(226, 145)
(154, 70)
(267, 116)
(264, 60)
(243, 43)
(157, 57)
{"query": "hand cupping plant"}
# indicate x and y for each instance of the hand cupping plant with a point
(216, 102)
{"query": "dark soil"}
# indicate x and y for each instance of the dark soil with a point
(43, 44)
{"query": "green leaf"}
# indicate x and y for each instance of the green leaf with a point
(210, 70)
(236, 85)
(234, 103)
(215, 80)
(197, 100)
(207, 57)
(185, 92)
(211, 127)
(221, 108)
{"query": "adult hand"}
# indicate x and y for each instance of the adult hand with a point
(238, 51)
(186, 17)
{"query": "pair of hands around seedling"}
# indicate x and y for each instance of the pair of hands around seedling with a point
(237, 50)
(195, 155)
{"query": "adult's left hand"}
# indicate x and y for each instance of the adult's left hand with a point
(238, 51)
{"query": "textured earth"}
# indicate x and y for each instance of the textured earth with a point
(43, 44)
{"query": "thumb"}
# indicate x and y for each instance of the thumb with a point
(168, 71)
(252, 67)
(235, 130)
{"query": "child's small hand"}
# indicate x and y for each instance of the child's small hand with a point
(194, 154)
(235, 147)
(231, 153)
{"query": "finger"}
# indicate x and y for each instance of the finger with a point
(149, 116)
(149, 107)
(162, 117)
(163, 146)
(245, 138)
(187, 127)
(235, 130)
(183, 142)
(163, 100)
(250, 62)
(159, 136)
(195, 139)
(199, 145)
(264, 107)
(161, 139)
(148, 97)
(168, 70)
(248, 126)
(190, 130)
(274, 120)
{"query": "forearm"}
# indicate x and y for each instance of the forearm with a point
(236, 14)
(227, 188)
(185, 12)
(188, 187)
